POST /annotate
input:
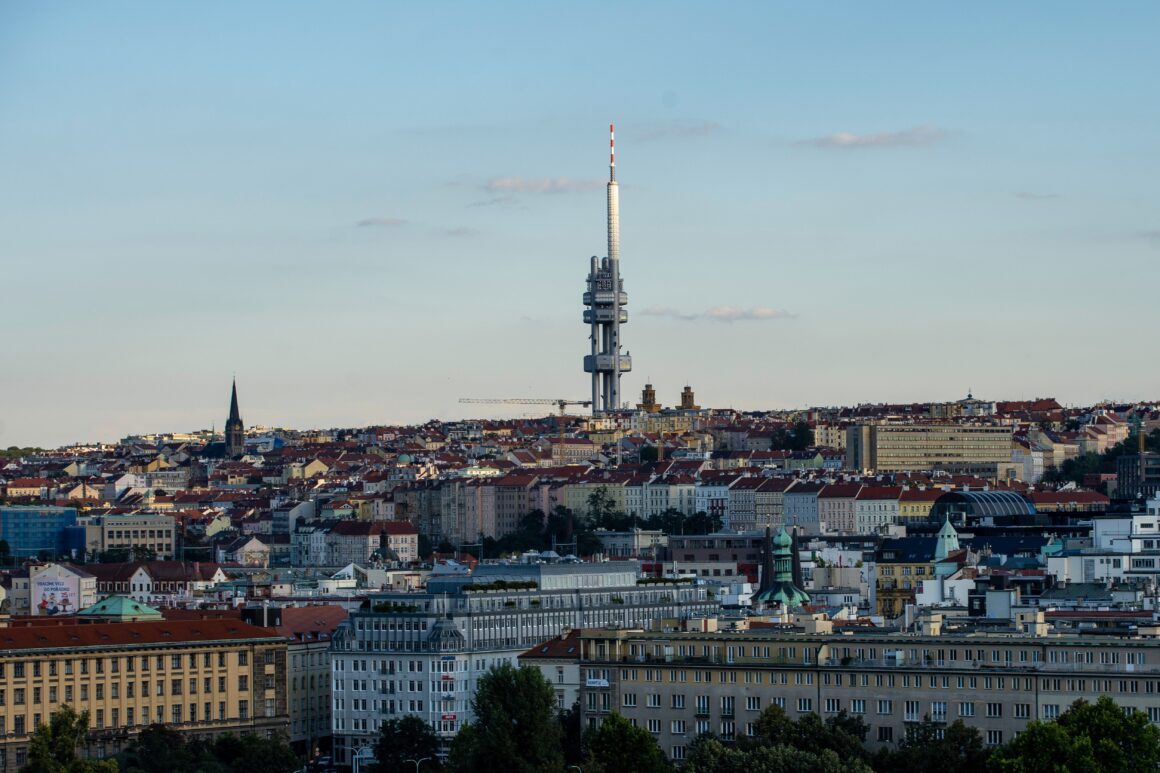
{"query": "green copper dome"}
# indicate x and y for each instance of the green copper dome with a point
(779, 586)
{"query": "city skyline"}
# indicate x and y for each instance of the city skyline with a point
(363, 210)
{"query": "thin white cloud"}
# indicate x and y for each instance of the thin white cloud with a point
(494, 201)
(1032, 196)
(381, 222)
(541, 185)
(681, 130)
(720, 313)
(460, 231)
(917, 136)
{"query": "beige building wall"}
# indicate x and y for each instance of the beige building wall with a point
(203, 688)
(912, 447)
(677, 686)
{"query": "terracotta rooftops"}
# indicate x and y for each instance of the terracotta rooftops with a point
(72, 635)
(566, 647)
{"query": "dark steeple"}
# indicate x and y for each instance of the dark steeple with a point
(235, 430)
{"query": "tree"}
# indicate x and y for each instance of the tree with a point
(142, 553)
(706, 754)
(1043, 747)
(929, 748)
(252, 753)
(53, 748)
(516, 723)
(703, 523)
(571, 725)
(619, 747)
(408, 738)
(1088, 736)
(160, 749)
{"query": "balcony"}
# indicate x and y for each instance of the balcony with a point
(702, 712)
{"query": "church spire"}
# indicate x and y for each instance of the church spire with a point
(235, 415)
(235, 430)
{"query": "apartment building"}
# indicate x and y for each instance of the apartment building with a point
(202, 677)
(836, 507)
(875, 507)
(914, 447)
(801, 506)
(149, 531)
(679, 685)
(422, 653)
(308, 632)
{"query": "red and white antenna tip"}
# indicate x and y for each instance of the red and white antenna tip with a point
(612, 144)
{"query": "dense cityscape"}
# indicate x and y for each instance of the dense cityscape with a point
(900, 567)
(866, 477)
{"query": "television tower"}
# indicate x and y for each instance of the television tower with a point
(605, 300)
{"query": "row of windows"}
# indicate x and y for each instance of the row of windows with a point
(177, 714)
(940, 656)
(20, 669)
(20, 695)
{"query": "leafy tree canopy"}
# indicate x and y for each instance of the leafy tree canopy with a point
(516, 722)
(616, 746)
(400, 740)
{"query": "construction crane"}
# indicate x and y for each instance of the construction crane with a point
(561, 404)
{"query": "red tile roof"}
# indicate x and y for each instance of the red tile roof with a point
(320, 621)
(127, 634)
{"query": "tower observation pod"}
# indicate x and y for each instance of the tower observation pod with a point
(605, 301)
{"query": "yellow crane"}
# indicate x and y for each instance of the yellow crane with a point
(559, 403)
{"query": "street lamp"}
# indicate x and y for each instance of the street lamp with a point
(418, 762)
(360, 756)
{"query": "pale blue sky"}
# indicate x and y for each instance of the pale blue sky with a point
(936, 196)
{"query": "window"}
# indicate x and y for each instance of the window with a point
(1050, 710)
(994, 710)
(938, 711)
(654, 726)
(805, 704)
(243, 709)
(966, 709)
(628, 700)
(753, 703)
(885, 707)
(677, 727)
(994, 737)
(678, 701)
(912, 710)
(885, 733)
(832, 705)
(858, 706)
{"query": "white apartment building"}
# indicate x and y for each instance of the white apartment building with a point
(422, 653)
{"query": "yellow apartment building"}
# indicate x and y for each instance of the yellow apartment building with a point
(205, 677)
